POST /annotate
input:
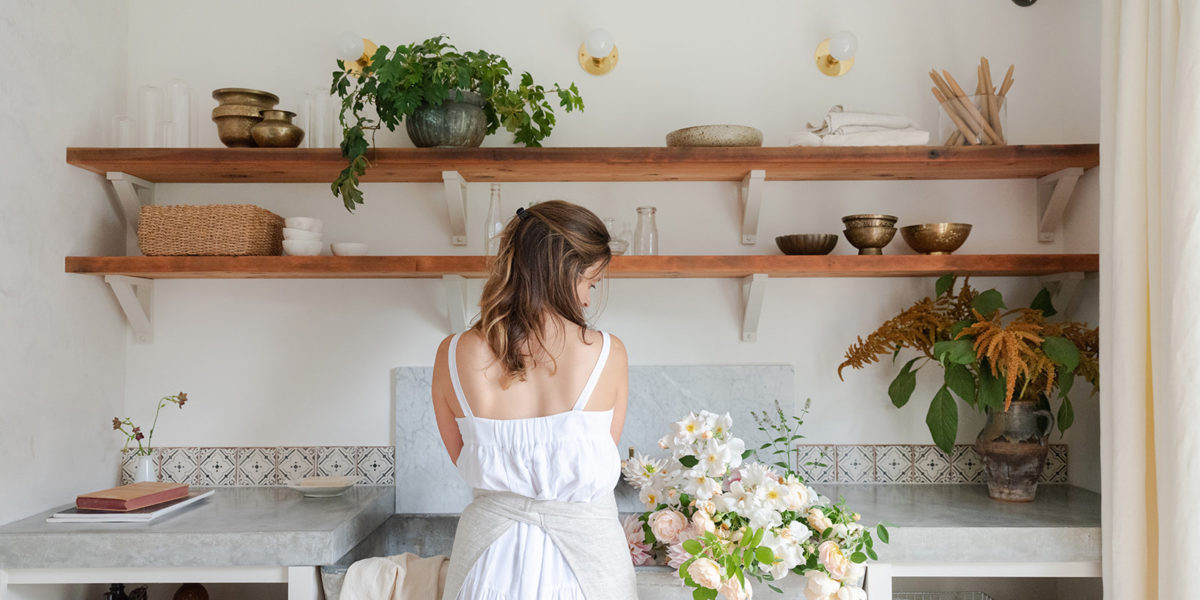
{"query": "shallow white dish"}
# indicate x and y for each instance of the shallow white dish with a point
(305, 223)
(302, 247)
(300, 234)
(348, 249)
(322, 487)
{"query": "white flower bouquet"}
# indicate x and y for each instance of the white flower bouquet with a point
(721, 521)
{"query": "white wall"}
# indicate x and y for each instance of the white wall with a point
(306, 362)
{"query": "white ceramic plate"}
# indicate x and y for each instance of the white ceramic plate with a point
(322, 487)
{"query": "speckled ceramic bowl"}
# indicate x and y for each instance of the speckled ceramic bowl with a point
(715, 135)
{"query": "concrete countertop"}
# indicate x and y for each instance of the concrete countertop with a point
(237, 526)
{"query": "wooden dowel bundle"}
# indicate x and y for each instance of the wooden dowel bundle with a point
(980, 124)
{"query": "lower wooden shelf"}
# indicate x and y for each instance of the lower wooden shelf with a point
(427, 267)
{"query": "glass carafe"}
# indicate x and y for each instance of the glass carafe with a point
(494, 224)
(645, 238)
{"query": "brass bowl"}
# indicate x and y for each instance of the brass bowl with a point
(852, 221)
(869, 240)
(246, 97)
(234, 130)
(806, 243)
(936, 238)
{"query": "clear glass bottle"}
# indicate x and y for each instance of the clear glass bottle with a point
(494, 224)
(645, 238)
(615, 243)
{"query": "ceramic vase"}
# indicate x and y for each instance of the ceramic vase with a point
(452, 124)
(144, 469)
(1013, 446)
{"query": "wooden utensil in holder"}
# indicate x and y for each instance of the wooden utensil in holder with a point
(977, 119)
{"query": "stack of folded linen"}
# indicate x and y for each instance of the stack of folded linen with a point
(845, 128)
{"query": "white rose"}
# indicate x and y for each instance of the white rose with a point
(666, 525)
(707, 506)
(851, 593)
(820, 586)
(732, 589)
(705, 572)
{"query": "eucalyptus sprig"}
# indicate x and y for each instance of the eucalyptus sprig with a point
(399, 82)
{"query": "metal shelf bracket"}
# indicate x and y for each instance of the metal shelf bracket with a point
(753, 290)
(750, 193)
(1054, 193)
(456, 205)
(136, 297)
(127, 187)
(456, 301)
(1064, 291)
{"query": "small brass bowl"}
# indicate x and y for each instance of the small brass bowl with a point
(247, 97)
(806, 243)
(853, 221)
(935, 238)
(234, 130)
(869, 240)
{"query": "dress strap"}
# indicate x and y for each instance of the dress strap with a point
(591, 382)
(458, 393)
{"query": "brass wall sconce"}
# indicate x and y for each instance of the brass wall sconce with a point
(355, 52)
(835, 55)
(598, 53)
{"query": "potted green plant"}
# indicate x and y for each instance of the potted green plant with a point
(1008, 363)
(444, 96)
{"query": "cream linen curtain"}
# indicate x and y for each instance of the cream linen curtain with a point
(1150, 298)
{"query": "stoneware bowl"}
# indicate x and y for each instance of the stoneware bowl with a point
(935, 238)
(715, 135)
(305, 223)
(870, 240)
(302, 247)
(300, 234)
(348, 249)
(806, 243)
(245, 97)
(852, 221)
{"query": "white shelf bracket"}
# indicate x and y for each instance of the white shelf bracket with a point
(753, 289)
(1064, 291)
(136, 297)
(1054, 193)
(750, 193)
(456, 205)
(456, 301)
(127, 187)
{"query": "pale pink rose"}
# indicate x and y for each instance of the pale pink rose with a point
(676, 555)
(732, 589)
(851, 593)
(640, 554)
(667, 524)
(633, 529)
(833, 560)
(818, 521)
(707, 506)
(706, 573)
(820, 586)
(702, 522)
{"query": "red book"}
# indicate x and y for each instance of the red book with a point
(132, 497)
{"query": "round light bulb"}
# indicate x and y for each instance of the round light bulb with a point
(349, 46)
(843, 45)
(599, 43)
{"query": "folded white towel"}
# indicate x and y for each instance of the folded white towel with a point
(879, 137)
(403, 577)
(804, 138)
(837, 119)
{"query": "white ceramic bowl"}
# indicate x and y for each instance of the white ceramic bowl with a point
(300, 234)
(302, 247)
(322, 487)
(305, 223)
(348, 249)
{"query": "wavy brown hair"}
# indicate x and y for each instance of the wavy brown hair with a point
(541, 257)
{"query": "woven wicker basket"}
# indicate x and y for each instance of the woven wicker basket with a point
(213, 230)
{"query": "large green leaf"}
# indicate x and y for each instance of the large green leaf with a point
(942, 419)
(903, 385)
(960, 381)
(1042, 302)
(944, 284)
(991, 388)
(1066, 415)
(1065, 380)
(960, 352)
(1062, 351)
(987, 303)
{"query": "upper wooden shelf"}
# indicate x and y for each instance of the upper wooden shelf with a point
(321, 165)
(416, 267)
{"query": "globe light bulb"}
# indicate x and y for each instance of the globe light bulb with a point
(843, 45)
(599, 43)
(349, 46)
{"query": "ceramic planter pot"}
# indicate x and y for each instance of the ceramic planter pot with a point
(1013, 446)
(453, 124)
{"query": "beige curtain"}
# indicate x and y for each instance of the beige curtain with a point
(1150, 298)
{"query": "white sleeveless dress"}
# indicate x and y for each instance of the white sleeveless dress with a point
(566, 457)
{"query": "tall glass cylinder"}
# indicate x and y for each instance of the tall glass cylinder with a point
(645, 238)
(179, 111)
(124, 132)
(320, 120)
(167, 135)
(494, 225)
(150, 103)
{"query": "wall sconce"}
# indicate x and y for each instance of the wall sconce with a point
(355, 52)
(835, 55)
(598, 53)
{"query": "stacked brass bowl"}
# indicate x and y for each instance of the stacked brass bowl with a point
(237, 111)
(869, 233)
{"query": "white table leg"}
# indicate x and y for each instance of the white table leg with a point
(879, 581)
(303, 583)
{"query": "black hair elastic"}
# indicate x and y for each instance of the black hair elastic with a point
(522, 213)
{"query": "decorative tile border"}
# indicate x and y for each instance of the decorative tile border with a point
(906, 463)
(259, 466)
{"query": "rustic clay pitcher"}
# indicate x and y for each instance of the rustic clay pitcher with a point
(1013, 446)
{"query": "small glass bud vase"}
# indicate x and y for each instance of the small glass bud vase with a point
(645, 237)
(973, 121)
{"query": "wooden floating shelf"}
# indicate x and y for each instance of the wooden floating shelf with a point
(321, 165)
(425, 267)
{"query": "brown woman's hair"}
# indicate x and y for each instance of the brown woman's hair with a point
(543, 253)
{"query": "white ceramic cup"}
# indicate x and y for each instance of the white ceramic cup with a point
(305, 223)
(300, 234)
(348, 249)
(302, 247)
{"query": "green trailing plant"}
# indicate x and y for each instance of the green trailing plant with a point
(398, 82)
(990, 355)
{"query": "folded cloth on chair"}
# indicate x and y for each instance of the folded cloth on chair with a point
(403, 577)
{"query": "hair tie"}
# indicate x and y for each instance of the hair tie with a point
(522, 213)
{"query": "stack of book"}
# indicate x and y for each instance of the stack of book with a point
(133, 503)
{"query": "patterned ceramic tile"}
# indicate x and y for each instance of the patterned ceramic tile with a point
(931, 465)
(337, 460)
(966, 466)
(376, 465)
(816, 463)
(256, 466)
(855, 464)
(216, 467)
(1056, 465)
(179, 465)
(894, 464)
(295, 462)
